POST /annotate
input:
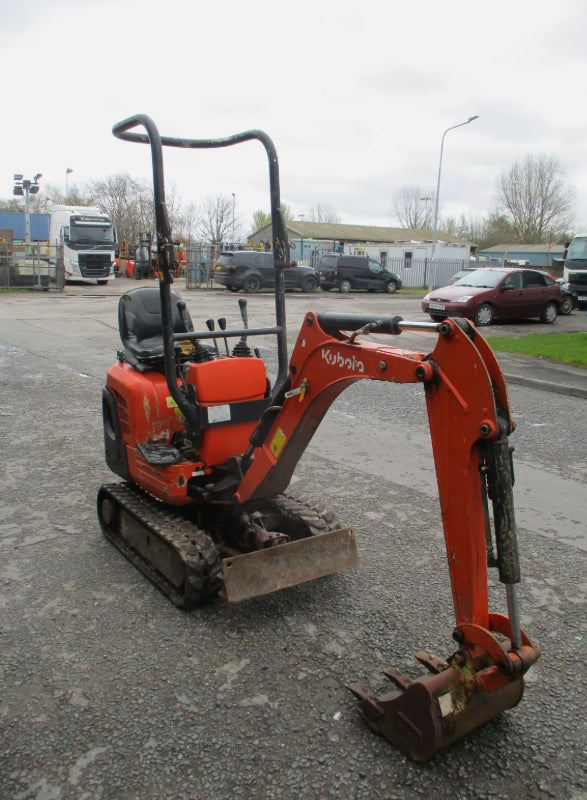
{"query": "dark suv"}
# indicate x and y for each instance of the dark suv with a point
(251, 270)
(344, 273)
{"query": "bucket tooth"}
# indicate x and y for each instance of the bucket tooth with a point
(432, 663)
(360, 693)
(401, 680)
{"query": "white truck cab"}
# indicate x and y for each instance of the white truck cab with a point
(87, 239)
(575, 267)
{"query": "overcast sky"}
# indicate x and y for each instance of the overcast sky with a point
(355, 95)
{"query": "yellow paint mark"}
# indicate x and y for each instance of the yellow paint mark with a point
(276, 444)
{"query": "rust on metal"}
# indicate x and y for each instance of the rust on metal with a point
(264, 571)
(430, 713)
(432, 663)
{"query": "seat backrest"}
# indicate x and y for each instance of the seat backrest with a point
(139, 324)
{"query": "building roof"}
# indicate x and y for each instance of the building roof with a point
(524, 248)
(362, 233)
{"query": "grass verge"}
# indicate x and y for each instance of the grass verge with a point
(571, 348)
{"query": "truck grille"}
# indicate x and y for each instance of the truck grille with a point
(578, 278)
(94, 265)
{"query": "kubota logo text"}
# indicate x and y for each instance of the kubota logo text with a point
(338, 360)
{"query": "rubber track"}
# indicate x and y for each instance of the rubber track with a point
(317, 522)
(194, 546)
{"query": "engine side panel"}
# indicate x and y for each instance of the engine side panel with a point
(146, 410)
(140, 409)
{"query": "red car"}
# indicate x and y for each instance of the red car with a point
(496, 293)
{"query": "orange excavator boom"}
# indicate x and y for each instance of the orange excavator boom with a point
(470, 422)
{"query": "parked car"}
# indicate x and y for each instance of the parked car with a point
(460, 275)
(346, 273)
(569, 299)
(251, 270)
(496, 293)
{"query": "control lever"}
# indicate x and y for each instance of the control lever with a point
(210, 326)
(222, 326)
(241, 348)
(242, 303)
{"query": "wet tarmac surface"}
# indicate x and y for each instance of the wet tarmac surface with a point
(111, 693)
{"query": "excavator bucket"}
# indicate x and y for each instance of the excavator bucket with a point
(423, 716)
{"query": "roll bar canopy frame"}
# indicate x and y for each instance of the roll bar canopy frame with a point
(123, 130)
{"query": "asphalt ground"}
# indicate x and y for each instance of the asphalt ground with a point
(110, 693)
(544, 374)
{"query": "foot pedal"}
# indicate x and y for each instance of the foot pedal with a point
(159, 455)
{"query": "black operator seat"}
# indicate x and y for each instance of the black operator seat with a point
(139, 324)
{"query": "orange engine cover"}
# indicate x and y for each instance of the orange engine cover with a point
(218, 384)
(148, 413)
(228, 380)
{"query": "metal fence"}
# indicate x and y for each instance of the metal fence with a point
(21, 267)
(425, 273)
(199, 269)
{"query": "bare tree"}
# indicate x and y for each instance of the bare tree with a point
(536, 197)
(186, 223)
(286, 212)
(469, 228)
(12, 205)
(214, 219)
(128, 202)
(322, 212)
(453, 226)
(42, 202)
(75, 196)
(413, 207)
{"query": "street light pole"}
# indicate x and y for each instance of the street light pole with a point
(302, 217)
(68, 171)
(233, 201)
(24, 187)
(435, 231)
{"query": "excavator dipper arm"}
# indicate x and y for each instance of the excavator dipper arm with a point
(470, 422)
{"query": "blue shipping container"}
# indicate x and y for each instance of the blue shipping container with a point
(15, 221)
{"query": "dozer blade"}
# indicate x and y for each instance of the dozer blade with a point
(430, 713)
(264, 571)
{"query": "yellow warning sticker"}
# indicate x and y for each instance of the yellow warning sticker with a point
(172, 404)
(276, 444)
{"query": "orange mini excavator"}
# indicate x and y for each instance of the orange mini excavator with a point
(206, 448)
